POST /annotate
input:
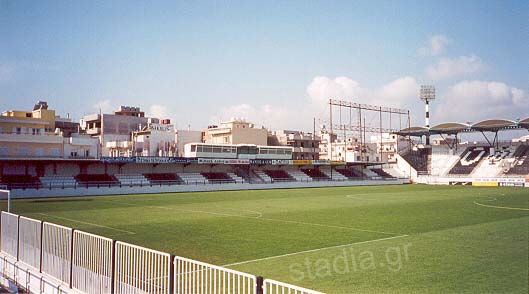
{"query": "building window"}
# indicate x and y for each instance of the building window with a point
(39, 152)
(55, 152)
(4, 151)
(23, 151)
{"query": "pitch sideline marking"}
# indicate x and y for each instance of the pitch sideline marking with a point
(312, 250)
(90, 224)
(351, 196)
(267, 219)
(500, 207)
(330, 226)
(259, 214)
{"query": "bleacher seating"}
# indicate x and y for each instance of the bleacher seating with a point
(193, 178)
(20, 180)
(316, 174)
(263, 177)
(382, 173)
(164, 179)
(333, 174)
(96, 180)
(132, 180)
(249, 176)
(237, 178)
(521, 163)
(217, 177)
(299, 176)
(418, 159)
(469, 160)
(351, 173)
(279, 175)
(58, 181)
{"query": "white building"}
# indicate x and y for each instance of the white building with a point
(183, 137)
(156, 139)
(350, 150)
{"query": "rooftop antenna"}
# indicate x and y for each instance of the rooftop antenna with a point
(427, 94)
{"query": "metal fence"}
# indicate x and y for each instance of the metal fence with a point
(92, 263)
(57, 251)
(141, 270)
(9, 232)
(275, 287)
(30, 241)
(193, 276)
(42, 257)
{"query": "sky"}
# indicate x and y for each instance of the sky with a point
(274, 63)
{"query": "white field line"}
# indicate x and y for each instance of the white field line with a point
(330, 226)
(265, 219)
(350, 196)
(90, 224)
(500, 207)
(313, 250)
(258, 214)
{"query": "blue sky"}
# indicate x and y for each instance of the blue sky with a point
(274, 63)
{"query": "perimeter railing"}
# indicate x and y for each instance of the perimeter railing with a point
(42, 257)
(159, 183)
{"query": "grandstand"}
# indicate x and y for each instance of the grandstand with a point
(163, 179)
(454, 162)
(520, 162)
(279, 175)
(470, 160)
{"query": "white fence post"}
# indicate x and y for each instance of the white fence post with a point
(141, 270)
(30, 241)
(275, 287)
(191, 276)
(56, 251)
(9, 234)
(92, 263)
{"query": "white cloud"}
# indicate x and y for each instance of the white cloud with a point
(5, 71)
(322, 88)
(398, 91)
(264, 115)
(290, 116)
(436, 45)
(105, 106)
(395, 93)
(475, 100)
(158, 111)
(447, 68)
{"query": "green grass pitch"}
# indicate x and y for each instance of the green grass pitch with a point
(386, 239)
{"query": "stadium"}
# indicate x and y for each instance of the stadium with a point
(404, 187)
(239, 236)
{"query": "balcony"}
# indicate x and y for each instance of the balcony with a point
(219, 131)
(306, 150)
(119, 144)
(83, 141)
(94, 131)
(49, 138)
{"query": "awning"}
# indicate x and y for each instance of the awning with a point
(524, 123)
(449, 128)
(494, 125)
(414, 131)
